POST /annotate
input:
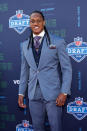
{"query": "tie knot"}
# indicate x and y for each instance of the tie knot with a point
(37, 42)
(37, 38)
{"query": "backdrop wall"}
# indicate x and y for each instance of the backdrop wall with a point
(66, 19)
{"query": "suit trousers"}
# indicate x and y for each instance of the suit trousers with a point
(38, 109)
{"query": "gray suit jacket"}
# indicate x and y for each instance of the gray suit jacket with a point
(48, 70)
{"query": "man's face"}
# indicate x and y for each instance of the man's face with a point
(36, 23)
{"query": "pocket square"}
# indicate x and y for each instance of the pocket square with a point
(52, 46)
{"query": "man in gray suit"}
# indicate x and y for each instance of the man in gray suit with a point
(44, 56)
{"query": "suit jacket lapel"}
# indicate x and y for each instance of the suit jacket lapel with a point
(42, 53)
(30, 57)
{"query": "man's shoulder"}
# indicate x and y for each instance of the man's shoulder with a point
(25, 43)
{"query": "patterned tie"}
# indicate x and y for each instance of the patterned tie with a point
(37, 42)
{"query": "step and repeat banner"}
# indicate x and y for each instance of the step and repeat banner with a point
(64, 18)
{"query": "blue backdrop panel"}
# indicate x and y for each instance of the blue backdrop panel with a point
(66, 19)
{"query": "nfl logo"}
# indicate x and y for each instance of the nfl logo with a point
(19, 14)
(77, 49)
(25, 123)
(19, 22)
(79, 101)
(78, 41)
(77, 108)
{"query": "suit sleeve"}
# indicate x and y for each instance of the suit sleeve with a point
(24, 76)
(65, 68)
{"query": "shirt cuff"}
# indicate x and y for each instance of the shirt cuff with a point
(20, 94)
(65, 94)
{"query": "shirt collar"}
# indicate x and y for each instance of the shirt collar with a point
(41, 34)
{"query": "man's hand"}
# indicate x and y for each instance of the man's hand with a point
(61, 99)
(20, 101)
